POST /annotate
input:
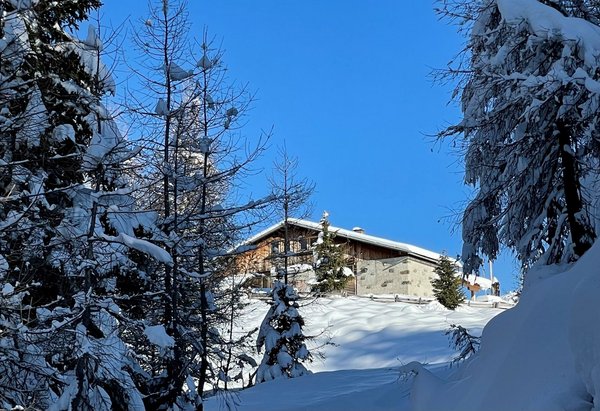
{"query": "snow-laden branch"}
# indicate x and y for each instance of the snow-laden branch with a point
(141, 245)
(547, 22)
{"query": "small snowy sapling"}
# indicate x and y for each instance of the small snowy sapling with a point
(281, 337)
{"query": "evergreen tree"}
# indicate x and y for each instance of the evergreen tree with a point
(37, 164)
(531, 114)
(281, 337)
(45, 100)
(67, 223)
(281, 333)
(330, 269)
(447, 288)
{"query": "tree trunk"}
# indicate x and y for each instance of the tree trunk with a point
(582, 235)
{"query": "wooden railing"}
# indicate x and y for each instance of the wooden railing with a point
(426, 300)
(503, 305)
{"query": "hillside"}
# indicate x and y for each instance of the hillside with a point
(369, 342)
(544, 354)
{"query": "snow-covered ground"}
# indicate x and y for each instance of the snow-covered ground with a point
(543, 354)
(369, 341)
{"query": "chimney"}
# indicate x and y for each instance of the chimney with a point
(358, 230)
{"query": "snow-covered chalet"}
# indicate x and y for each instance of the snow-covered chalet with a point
(380, 266)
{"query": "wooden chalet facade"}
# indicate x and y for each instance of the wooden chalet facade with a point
(380, 266)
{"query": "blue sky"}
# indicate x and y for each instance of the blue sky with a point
(347, 85)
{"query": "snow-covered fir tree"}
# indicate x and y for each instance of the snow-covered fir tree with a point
(281, 337)
(330, 263)
(32, 187)
(92, 247)
(530, 116)
(447, 288)
(66, 229)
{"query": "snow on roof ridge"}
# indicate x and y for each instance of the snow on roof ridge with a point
(371, 239)
(366, 238)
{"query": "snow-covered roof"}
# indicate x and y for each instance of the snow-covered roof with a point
(351, 235)
(483, 282)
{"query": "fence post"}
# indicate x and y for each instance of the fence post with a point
(396, 298)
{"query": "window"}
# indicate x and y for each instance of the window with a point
(303, 244)
(275, 247)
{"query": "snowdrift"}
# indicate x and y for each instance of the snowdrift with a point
(544, 354)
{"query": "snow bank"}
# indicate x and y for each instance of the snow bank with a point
(351, 390)
(544, 354)
(490, 299)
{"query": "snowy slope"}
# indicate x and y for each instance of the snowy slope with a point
(350, 390)
(361, 371)
(543, 354)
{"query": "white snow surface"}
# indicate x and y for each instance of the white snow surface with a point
(15, 39)
(23, 4)
(158, 336)
(7, 289)
(205, 63)
(63, 132)
(176, 73)
(90, 59)
(161, 108)
(103, 144)
(361, 371)
(141, 245)
(543, 354)
(92, 40)
(3, 266)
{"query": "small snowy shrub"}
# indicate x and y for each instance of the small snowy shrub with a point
(462, 341)
(282, 338)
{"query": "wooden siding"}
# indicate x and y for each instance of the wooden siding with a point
(269, 249)
(261, 259)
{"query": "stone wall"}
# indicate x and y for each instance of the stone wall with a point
(401, 275)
